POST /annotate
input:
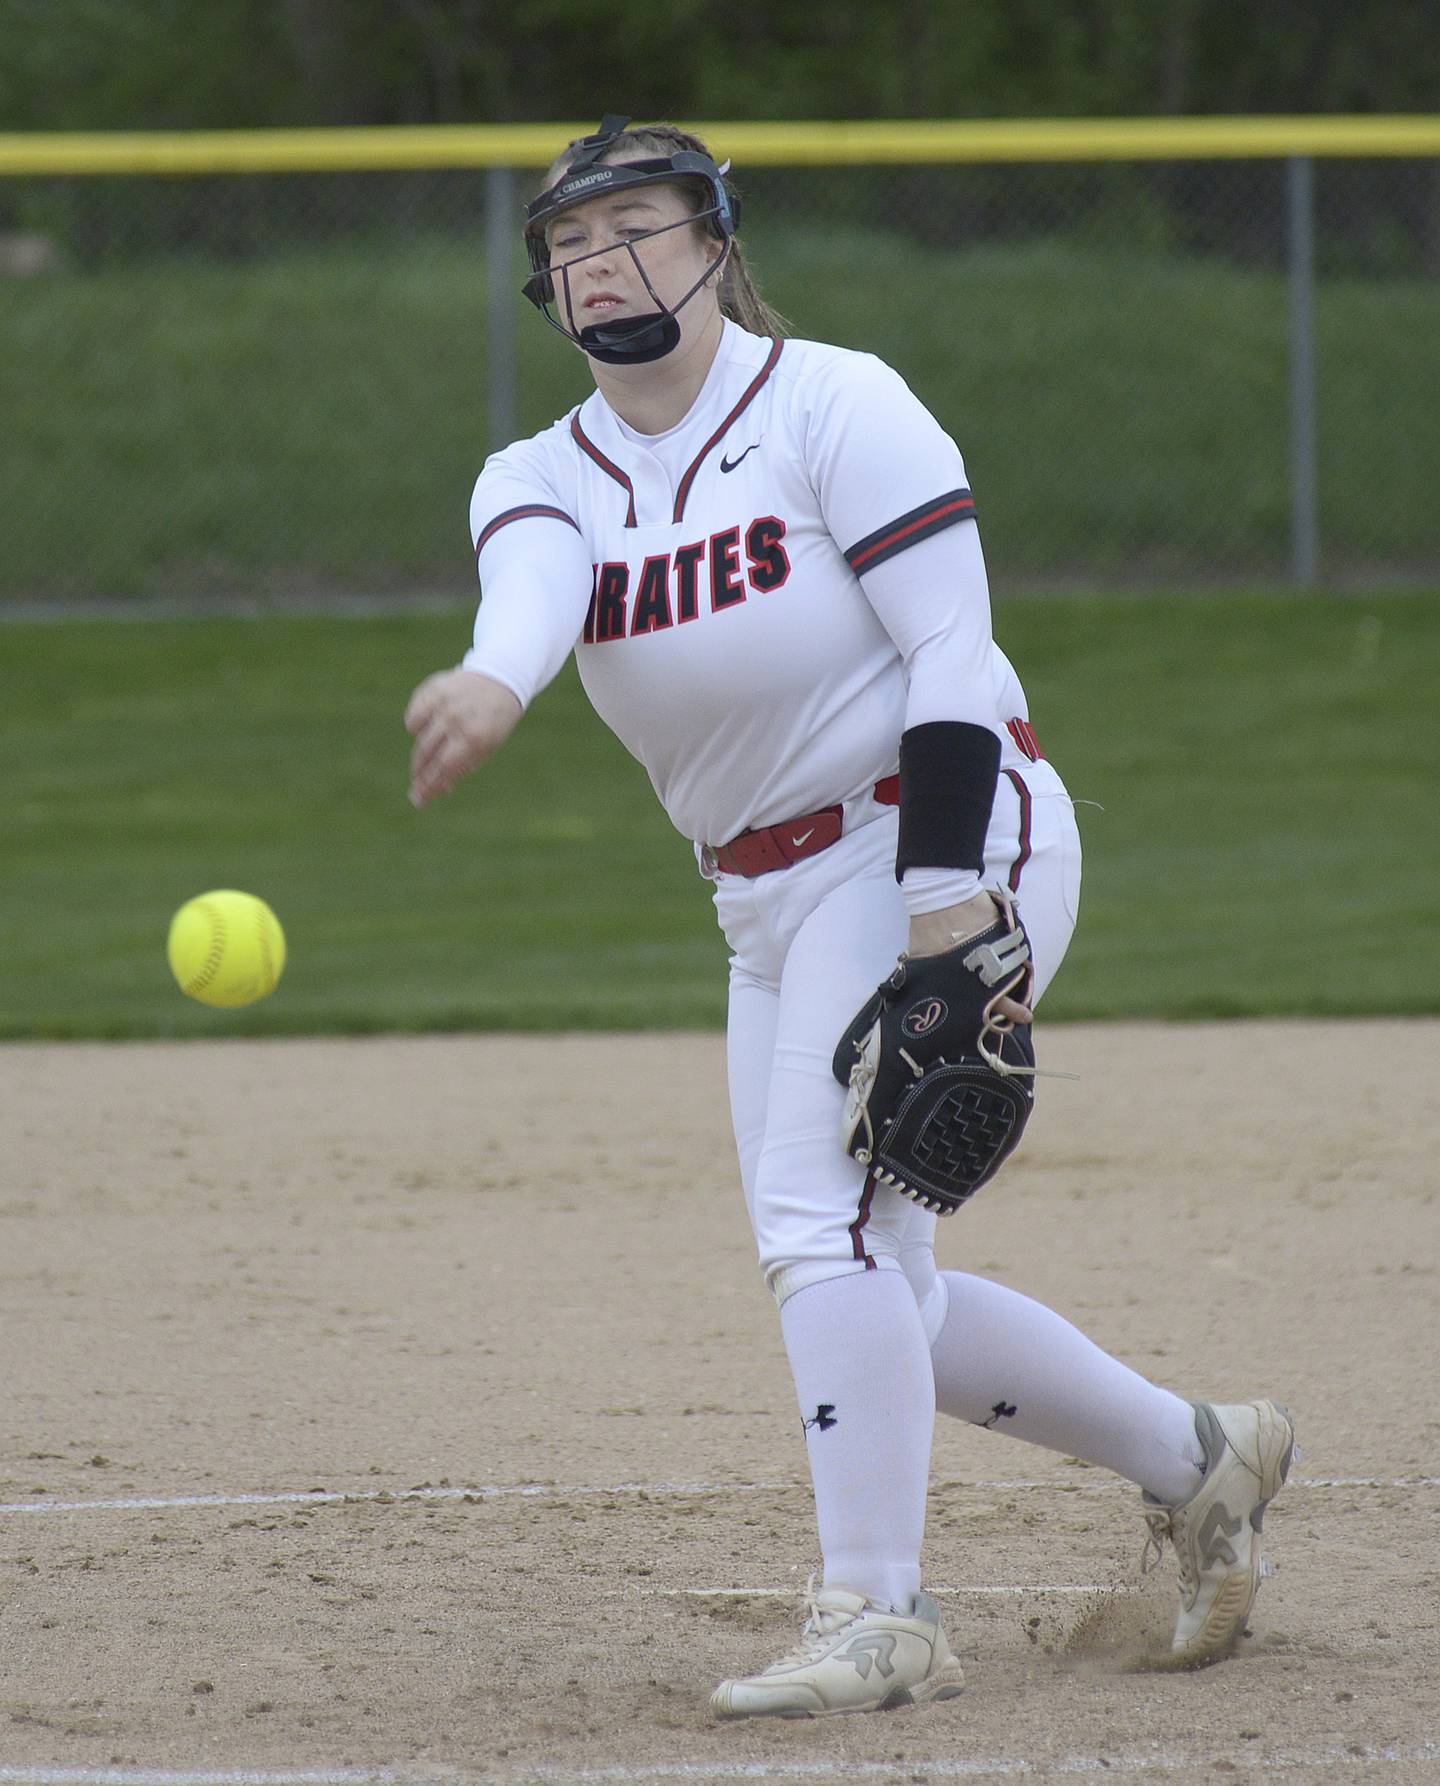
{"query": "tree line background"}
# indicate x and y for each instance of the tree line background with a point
(186, 64)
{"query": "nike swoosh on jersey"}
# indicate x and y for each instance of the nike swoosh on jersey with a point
(730, 464)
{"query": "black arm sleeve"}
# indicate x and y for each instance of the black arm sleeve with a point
(948, 770)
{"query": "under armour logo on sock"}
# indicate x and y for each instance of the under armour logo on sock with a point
(824, 1418)
(1001, 1411)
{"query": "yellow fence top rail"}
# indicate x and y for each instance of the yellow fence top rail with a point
(749, 144)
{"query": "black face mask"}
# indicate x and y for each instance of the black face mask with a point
(633, 339)
(630, 340)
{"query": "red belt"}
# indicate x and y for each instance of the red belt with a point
(754, 853)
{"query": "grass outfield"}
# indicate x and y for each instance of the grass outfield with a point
(1266, 766)
(317, 418)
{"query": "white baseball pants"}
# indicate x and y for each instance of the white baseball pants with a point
(809, 945)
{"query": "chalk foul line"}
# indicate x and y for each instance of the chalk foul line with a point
(1332, 1757)
(233, 1776)
(490, 1491)
(320, 1497)
(790, 1593)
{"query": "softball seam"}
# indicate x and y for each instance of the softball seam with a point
(216, 951)
(262, 936)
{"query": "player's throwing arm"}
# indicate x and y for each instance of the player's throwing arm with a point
(457, 718)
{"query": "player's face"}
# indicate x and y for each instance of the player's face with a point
(603, 282)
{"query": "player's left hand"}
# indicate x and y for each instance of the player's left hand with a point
(933, 933)
(457, 718)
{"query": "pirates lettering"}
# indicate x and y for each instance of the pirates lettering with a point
(667, 585)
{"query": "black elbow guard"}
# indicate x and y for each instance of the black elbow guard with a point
(948, 770)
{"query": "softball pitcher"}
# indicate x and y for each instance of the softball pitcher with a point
(765, 555)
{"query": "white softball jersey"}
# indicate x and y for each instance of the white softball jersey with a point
(760, 600)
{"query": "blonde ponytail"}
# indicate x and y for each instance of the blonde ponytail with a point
(741, 301)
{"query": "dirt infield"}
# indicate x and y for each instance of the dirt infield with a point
(398, 1270)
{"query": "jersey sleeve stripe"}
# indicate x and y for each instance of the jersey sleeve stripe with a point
(683, 493)
(527, 511)
(909, 530)
(589, 448)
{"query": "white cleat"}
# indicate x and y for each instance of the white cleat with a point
(1216, 1533)
(851, 1658)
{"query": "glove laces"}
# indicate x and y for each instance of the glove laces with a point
(987, 962)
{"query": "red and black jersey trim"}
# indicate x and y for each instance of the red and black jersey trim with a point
(857, 1227)
(748, 397)
(526, 512)
(909, 530)
(1022, 854)
(591, 451)
(1026, 742)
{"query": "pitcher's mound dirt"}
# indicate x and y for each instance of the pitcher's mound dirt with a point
(397, 1270)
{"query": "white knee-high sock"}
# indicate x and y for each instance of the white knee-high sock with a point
(867, 1397)
(1010, 1364)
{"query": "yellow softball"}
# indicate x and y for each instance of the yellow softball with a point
(226, 948)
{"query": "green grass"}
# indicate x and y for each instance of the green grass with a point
(1266, 768)
(316, 419)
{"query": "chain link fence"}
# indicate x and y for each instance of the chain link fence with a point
(1160, 372)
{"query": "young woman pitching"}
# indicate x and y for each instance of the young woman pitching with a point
(765, 556)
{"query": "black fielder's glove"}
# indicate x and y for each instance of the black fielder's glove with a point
(940, 1087)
